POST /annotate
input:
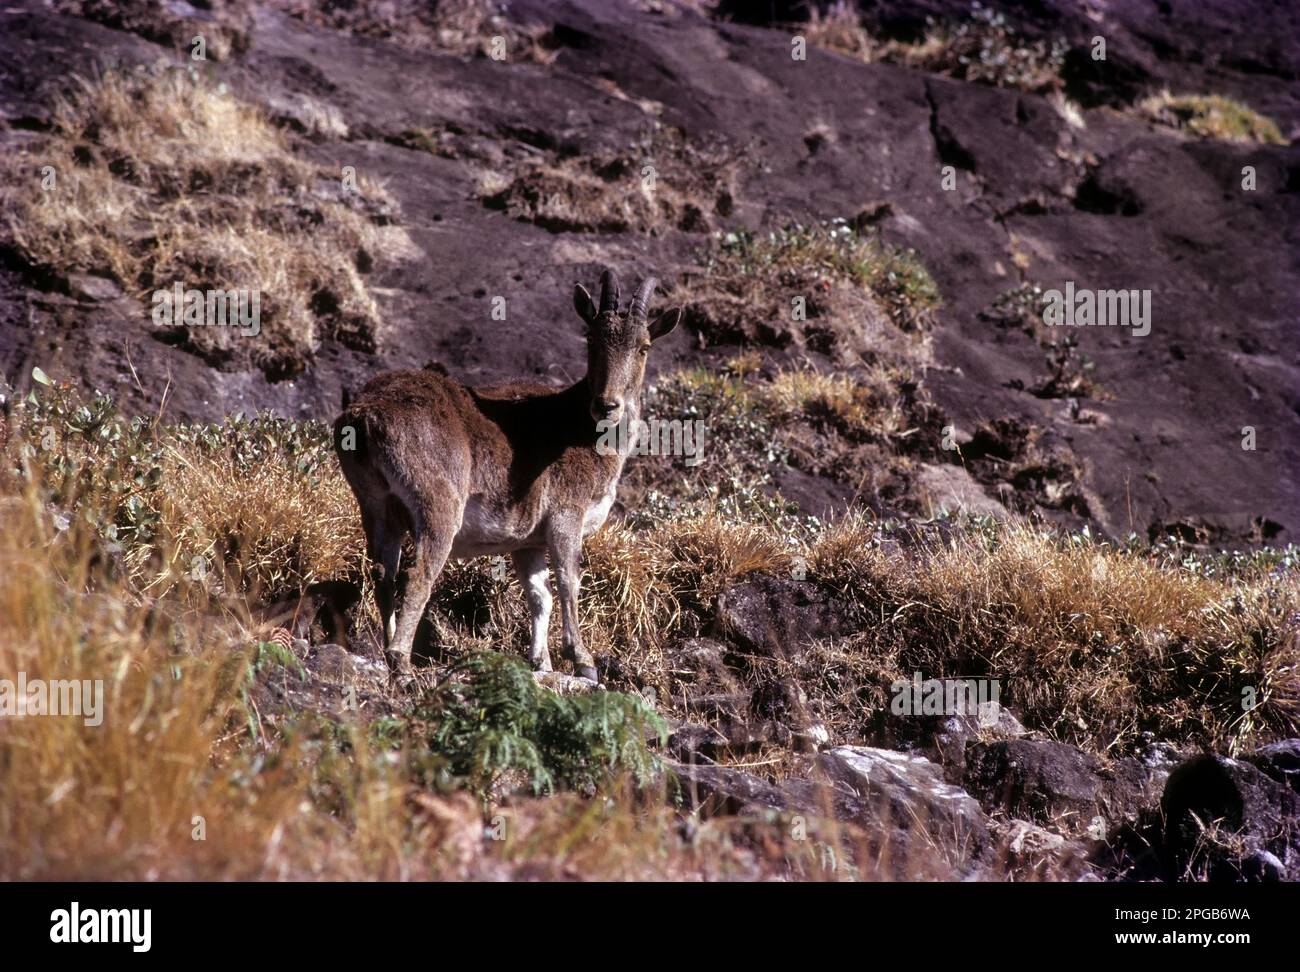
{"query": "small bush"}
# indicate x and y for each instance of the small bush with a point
(982, 47)
(856, 291)
(254, 505)
(490, 718)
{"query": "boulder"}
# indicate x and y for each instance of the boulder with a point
(702, 663)
(952, 488)
(776, 616)
(1057, 785)
(713, 791)
(693, 743)
(87, 287)
(944, 738)
(907, 821)
(906, 797)
(730, 715)
(1031, 852)
(1225, 819)
(562, 684)
(1280, 761)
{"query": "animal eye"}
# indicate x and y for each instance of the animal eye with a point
(643, 350)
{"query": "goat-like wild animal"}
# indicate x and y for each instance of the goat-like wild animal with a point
(506, 469)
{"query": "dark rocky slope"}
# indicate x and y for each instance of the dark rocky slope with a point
(1116, 203)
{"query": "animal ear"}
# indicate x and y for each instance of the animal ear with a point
(583, 303)
(664, 323)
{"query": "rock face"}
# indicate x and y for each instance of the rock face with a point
(1103, 200)
(774, 615)
(1041, 854)
(724, 791)
(944, 738)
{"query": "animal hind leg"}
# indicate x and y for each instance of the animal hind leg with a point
(384, 533)
(435, 529)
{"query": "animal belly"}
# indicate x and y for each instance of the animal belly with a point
(596, 515)
(486, 530)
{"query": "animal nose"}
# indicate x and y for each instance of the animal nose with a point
(607, 407)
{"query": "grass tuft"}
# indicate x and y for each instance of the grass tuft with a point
(821, 286)
(467, 28)
(661, 182)
(1213, 117)
(163, 177)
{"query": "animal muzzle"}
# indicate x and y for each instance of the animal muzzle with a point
(606, 409)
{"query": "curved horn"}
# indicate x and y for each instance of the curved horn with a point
(610, 292)
(642, 299)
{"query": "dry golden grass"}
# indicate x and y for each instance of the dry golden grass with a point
(117, 799)
(663, 182)
(1092, 645)
(1211, 116)
(164, 177)
(279, 534)
(171, 785)
(863, 406)
(225, 29)
(838, 28)
(468, 28)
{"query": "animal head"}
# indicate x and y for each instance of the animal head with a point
(618, 343)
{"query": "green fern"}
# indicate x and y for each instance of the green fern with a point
(489, 716)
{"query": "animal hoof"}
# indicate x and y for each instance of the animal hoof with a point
(588, 672)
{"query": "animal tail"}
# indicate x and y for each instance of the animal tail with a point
(351, 434)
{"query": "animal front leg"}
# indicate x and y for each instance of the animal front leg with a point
(530, 565)
(566, 549)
